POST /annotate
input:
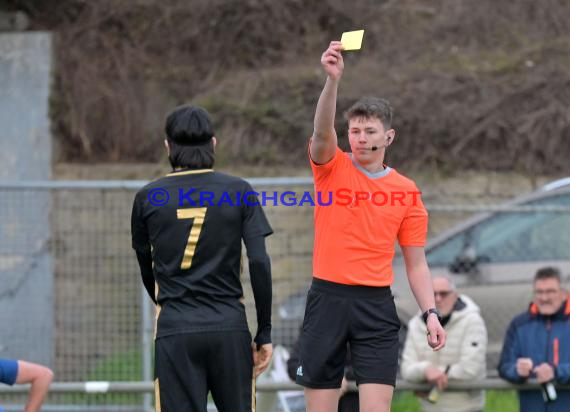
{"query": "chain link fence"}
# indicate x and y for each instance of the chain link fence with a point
(96, 321)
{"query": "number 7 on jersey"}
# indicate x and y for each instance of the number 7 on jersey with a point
(198, 214)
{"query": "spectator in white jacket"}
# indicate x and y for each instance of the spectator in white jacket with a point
(462, 358)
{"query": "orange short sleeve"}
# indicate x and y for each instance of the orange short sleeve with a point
(414, 227)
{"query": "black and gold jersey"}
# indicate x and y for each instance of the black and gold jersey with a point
(194, 222)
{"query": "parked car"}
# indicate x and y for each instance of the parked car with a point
(491, 257)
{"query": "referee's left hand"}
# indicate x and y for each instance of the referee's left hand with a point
(436, 334)
(261, 358)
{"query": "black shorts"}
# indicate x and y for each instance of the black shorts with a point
(188, 366)
(364, 317)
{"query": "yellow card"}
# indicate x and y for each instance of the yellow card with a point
(352, 40)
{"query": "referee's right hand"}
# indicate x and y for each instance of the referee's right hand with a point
(332, 61)
(261, 358)
(436, 333)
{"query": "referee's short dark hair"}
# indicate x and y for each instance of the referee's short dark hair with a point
(369, 107)
(548, 272)
(189, 132)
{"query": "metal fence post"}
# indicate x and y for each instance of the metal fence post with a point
(146, 330)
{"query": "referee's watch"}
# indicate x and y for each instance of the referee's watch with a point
(431, 310)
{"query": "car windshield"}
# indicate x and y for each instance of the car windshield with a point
(512, 236)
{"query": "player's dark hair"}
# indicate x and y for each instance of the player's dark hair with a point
(369, 107)
(191, 157)
(189, 133)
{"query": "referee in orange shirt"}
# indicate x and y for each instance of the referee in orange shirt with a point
(350, 299)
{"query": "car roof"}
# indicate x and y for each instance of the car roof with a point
(556, 184)
(553, 189)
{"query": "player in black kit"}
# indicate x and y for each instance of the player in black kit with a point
(187, 229)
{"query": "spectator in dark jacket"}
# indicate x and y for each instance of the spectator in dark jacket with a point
(537, 345)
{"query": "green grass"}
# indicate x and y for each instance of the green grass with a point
(121, 366)
(496, 401)
(405, 402)
(501, 401)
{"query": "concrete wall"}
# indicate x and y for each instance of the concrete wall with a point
(26, 273)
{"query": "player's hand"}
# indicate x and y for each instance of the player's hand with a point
(332, 61)
(544, 373)
(524, 367)
(261, 358)
(436, 335)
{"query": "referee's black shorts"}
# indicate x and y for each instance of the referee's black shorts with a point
(363, 316)
(189, 365)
